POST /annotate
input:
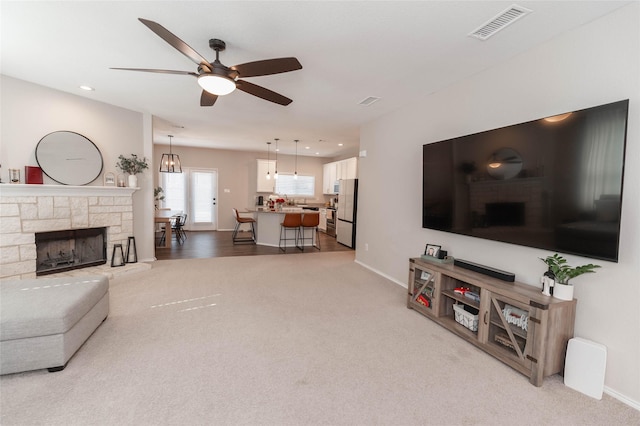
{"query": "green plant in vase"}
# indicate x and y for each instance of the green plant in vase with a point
(132, 165)
(563, 272)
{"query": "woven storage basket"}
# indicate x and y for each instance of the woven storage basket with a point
(465, 318)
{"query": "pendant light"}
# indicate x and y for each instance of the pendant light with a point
(268, 160)
(170, 163)
(275, 175)
(295, 174)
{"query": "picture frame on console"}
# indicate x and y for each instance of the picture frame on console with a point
(431, 250)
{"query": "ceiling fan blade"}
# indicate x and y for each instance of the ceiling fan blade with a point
(267, 67)
(157, 71)
(261, 92)
(174, 41)
(208, 99)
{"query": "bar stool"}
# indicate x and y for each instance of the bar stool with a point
(291, 222)
(239, 222)
(310, 220)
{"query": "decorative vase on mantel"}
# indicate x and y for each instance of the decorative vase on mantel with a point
(133, 181)
(132, 165)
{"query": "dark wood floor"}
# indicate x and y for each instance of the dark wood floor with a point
(203, 244)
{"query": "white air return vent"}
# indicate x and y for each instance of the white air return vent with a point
(368, 101)
(499, 22)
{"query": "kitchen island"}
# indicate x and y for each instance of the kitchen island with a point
(268, 226)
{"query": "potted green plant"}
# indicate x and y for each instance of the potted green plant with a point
(132, 165)
(563, 272)
(157, 196)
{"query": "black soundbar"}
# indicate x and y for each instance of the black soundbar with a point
(486, 270)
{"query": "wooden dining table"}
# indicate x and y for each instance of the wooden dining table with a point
(165, 216)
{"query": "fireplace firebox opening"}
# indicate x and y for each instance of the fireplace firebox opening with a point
(59, 251)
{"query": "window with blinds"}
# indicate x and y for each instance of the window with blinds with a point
(303, 186)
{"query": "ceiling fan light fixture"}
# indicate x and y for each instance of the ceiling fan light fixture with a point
(217, 84)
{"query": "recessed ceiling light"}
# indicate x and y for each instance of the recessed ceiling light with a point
(317, 153)
(340, 144)
(307, 147)
(87, 88)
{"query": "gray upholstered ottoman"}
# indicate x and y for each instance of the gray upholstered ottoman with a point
(44, 321)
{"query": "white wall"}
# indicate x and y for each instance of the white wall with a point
(29, 112)
(593, 65)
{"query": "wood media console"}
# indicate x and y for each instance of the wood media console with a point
(511, 321)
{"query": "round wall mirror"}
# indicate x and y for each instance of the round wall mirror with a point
(69, 158)
(504, 164)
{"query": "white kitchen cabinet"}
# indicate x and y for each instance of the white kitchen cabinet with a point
(341, 170)
(350, 168)
(329, 178)
(264, 184)
(333, 172)
(347, 169)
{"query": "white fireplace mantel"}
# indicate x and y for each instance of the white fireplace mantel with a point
(20, 190)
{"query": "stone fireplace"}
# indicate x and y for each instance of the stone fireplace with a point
(27, 210)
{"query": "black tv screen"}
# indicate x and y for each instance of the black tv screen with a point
(553, 183)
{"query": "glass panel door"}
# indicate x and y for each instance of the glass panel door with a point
(194, 192)
(203, 197)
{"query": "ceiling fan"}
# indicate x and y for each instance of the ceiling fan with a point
(217, 79)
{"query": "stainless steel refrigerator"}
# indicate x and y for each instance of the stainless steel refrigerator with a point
(347, 206)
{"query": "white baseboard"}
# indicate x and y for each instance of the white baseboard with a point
(401, 284)
(622, 398)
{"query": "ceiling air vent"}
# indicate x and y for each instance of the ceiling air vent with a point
(368, 101)
(499, 22)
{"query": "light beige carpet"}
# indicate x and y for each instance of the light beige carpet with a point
(282, 340)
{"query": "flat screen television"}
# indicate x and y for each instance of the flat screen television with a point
(553, 183)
